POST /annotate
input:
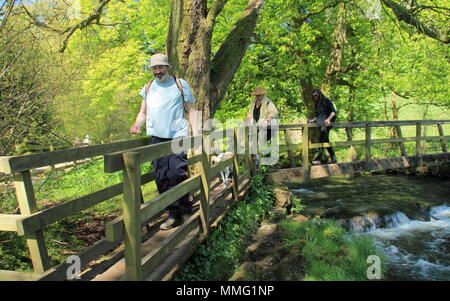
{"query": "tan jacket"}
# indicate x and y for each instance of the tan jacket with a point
(267, 109)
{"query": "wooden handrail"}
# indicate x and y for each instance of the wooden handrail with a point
(32, 222)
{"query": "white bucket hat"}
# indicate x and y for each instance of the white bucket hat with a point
(159, 60)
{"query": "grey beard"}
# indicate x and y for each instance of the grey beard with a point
(164, 78)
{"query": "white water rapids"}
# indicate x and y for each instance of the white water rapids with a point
(415, 250)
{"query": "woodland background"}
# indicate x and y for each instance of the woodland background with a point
(74, 67)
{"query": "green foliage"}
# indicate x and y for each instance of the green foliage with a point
(297, 207)
(219, 260)
(329, 253)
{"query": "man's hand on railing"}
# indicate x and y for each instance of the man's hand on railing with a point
(134, 129)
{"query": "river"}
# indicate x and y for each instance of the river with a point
(408, 218)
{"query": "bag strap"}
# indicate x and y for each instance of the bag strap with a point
(180, 87)
(147, 87)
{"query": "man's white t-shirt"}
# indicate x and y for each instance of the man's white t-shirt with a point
(165, 111)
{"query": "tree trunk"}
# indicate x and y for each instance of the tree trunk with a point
(189, 49)
(337, 53)
(394, 109)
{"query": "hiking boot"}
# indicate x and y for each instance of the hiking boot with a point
(333, 160)
(171, 223)
(186, 216)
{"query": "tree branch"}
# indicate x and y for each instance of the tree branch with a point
(94, 16)
(227, 60)
(214, 11)
(299, 21)
(7, 13)
(406, 15)
(68, 32)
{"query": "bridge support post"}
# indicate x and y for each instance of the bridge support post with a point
(305, 152)
(251, 146)
(27, 204)
(205, 189)
(351, 148)
(287, 138)
(235, 166)
(441, 133)
(419, 161)
(131, 215)
(402, 145)
(367, 146)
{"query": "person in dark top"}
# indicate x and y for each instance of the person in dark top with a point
(325, 113)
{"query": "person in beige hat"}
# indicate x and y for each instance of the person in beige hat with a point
(165, 102)
(262, 110)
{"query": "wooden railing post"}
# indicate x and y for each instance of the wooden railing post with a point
(287, 138)
(205, 197)
(131, 215)
(401, 144)
(235, 166)
(418, 144)
(367, 146)
(305, 152)
(351, 148)
(251, 146)
(443, 141)
(27, 205)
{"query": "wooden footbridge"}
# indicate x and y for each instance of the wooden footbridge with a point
(134, 248)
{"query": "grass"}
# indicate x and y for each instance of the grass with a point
(221, 258)
(328, 252)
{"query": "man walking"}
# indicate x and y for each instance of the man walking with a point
(324, 112)
(164, 103)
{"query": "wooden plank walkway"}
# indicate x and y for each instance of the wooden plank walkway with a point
(181, 254)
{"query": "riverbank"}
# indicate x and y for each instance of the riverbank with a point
(407, 217)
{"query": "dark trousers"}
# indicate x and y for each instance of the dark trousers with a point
(170, 171)
(324, 136)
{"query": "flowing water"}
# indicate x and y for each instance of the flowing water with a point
(408, 218)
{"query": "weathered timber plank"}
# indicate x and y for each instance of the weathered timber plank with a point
(401, 144)
(51, 215)
(114, 162)
(290, 147)
(6, 275)
(376, 141)
(287, 138)
(8, 222)
(131, 215)
(326, 170)
(151, 260)
(443, 140)
(362, 124)
(91, 253)
(115, 228)
(220, 166)
(151, 208)
(245, 175)
(28, 206)
(21, 163)
(305, 150)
